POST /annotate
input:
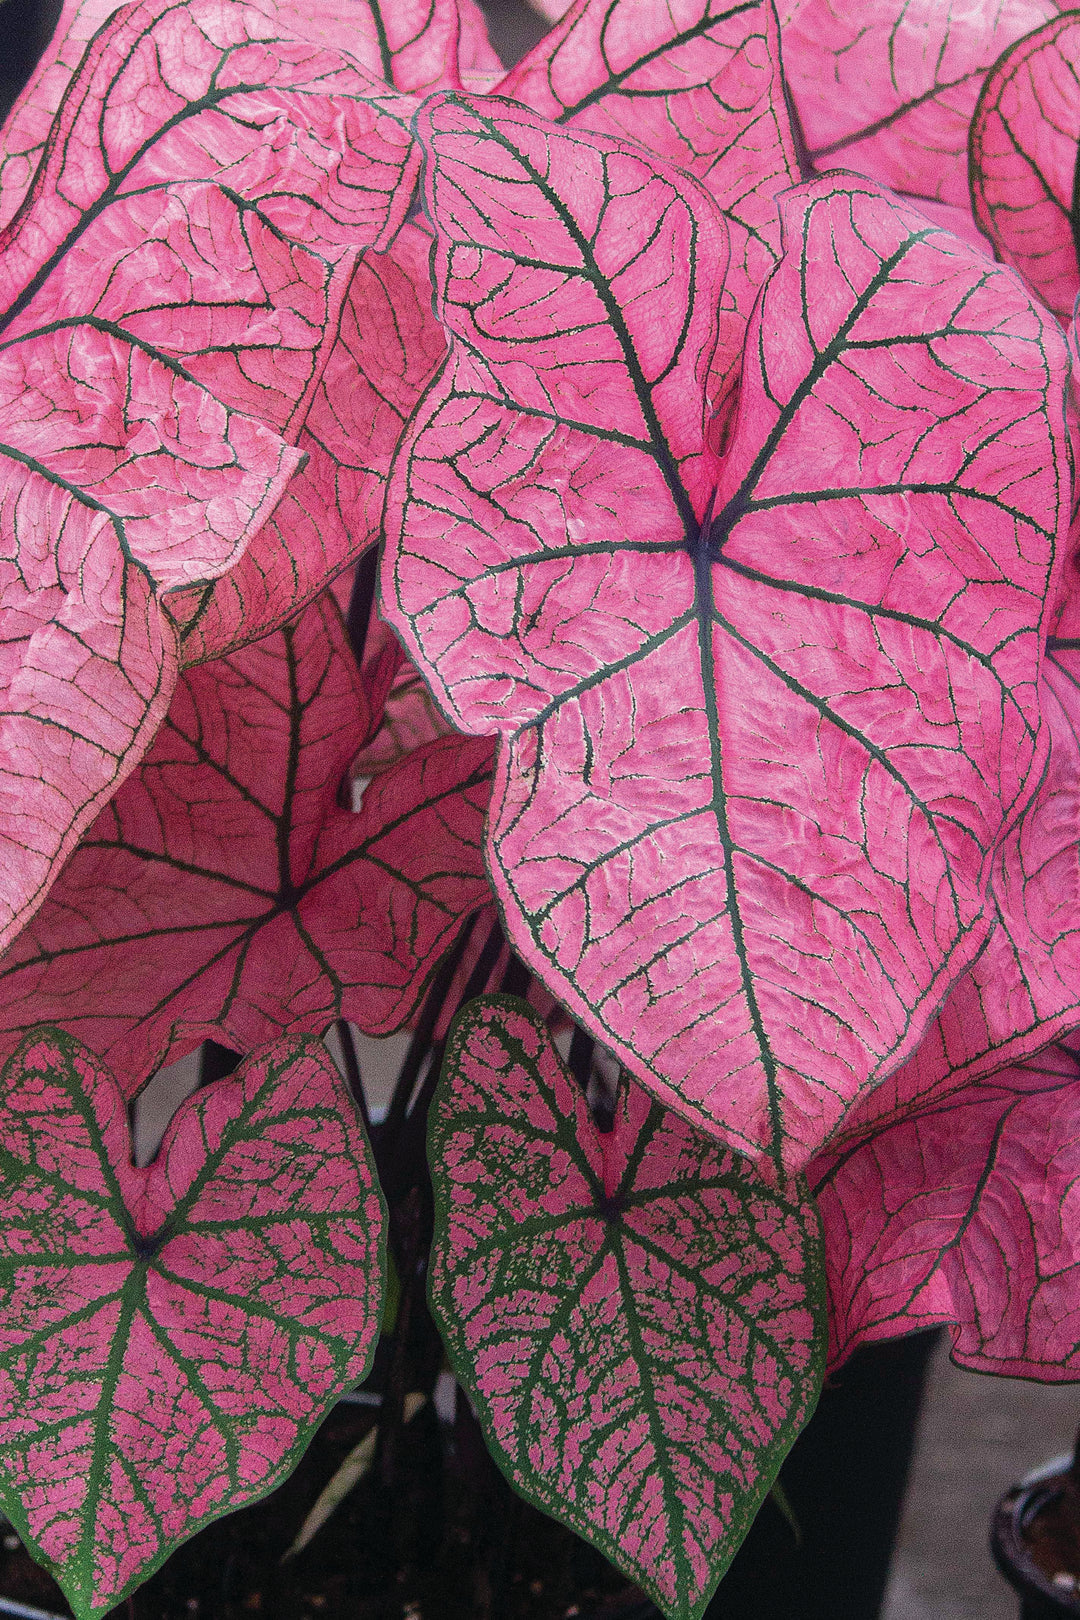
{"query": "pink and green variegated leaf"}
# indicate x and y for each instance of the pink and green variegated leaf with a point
(764, 725)
(171, 1337)
(382, 349)
(634, 1315)
(697, 82)
(1022, 147)
(965, 1212)
(888, 87)
(225, 892)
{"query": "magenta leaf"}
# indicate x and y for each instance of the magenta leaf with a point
(965, 1212)
(224, 891)
(635, 1317)
(383, 344)
(211, 90)
(697, 83)
(26, 127)
(889, 87)
(1023, 145)
(171, 1337)
(763, 725)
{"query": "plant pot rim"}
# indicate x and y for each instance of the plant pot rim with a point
(1012, 1514)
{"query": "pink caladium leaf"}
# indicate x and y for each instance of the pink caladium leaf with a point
(764, 723)
(888, 88)
(171, 1337)
(144, 309)
(412, 44)
(213, 90)
(26, 127)
(1022, 148)
(1023, 991)
(225, 892)
(965, 1212)
(635, 1317)
(382, 348)
(697, 83)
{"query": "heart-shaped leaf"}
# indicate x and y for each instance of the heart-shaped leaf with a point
(764, 725)
(384, 343)
(965, 1212)
(1023, 146)
(224, 891)
(635, 1317)
(889, 87)
(697, 83)
(171, 1337)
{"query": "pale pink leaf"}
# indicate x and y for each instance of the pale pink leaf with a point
(381, 346)
(145, 310)
(888, 87)
(1023, 147)
(696, 82)
(764, 723)
(171, 1337)
(966, 1211)
(226, 892)
(1024, 989)
(477, 57)
(635, 1317)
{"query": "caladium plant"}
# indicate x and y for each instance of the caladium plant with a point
(724, 637)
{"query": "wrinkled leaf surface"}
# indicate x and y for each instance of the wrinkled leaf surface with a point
(224, 892)
(1023, 148)
(764, 722)
(171, 1337)
(634, 1316)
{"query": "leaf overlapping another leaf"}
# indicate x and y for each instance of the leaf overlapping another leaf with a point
(965, 1212)
(697, 83)
(151, 294)
(171, 1337)
(765, 724)
(1023, 145)
(889, 88)
(381, 347)
(224, 892)
(636, 1319)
